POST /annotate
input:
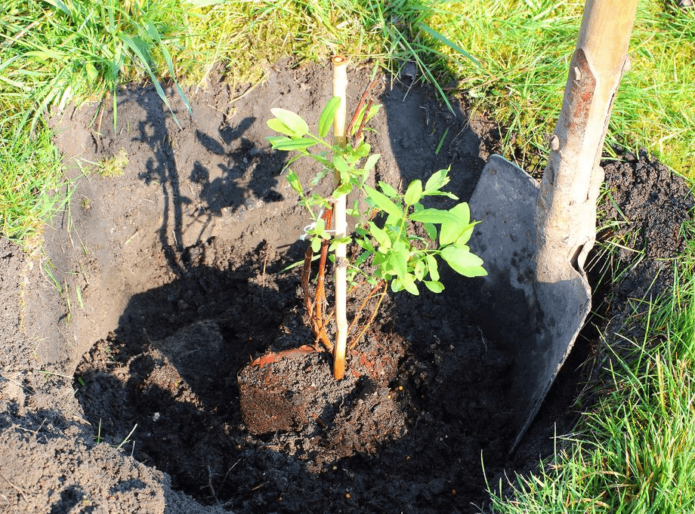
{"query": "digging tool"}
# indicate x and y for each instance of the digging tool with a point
(535, 240)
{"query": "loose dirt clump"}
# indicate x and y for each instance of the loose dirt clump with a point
(127, 399)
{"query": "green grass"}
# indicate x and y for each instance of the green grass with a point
(32, 187)
(524, 47)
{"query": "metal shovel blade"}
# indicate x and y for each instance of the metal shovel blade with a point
(535, 322)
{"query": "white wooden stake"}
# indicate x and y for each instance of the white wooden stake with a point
(340, 223)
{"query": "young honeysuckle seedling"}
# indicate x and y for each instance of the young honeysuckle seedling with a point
(390, 247)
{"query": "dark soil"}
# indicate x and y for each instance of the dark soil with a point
(650, 204)
(178, 266)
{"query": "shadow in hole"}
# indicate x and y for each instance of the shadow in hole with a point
(426, 136)
(242, 178)
(224, 191)
(171, 368)
(503, 315)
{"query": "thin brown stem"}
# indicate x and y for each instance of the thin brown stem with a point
(360, 104)
(358, 136)
(306, 273)
(320, 297)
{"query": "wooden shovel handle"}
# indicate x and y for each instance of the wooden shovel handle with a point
(604, 38)
(566, 213)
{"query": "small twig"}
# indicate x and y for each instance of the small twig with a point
(265, 262)
(246, 92)
(127, 437)
(35, 432)
(18, 489)
(360, 104)
(227, 473)
(313, 308)
(358, 136)
(306, 271)
(214, 494)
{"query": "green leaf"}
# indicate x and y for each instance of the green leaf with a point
(388, 190)
(372, 112)
(420, 270)
(366, 245)
(327, 116)
(288, 145)
(463, 261)
(342, 190)
(358, 120)
(320, 228)
(316, 244)
(408, 282)
(451, 231)
(341, 241)
(433, 267)
(340, 164)
(431, 231)
(381, 237)
(434, 286)
(154, 34)
(205, 3)
(319, 176)
(398, 258)
(59, 4)
(380, 261)
(413, 193)
(355, 211)
(292, 121)
(462, 212)
(381, 201)
(278, 126)
(466, 235)
(92, 73)
(434, 216)
(449, 43)
(139, 48)
(362, 259)
(396, 285)
(293, 179)
(392, 221)
(371, 162)
(362, 151)
(437, 181)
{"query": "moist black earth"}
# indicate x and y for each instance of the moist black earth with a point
(178, 263)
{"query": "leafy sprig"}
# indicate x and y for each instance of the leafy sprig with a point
(398, 255)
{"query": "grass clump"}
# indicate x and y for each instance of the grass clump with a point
(113, 166)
